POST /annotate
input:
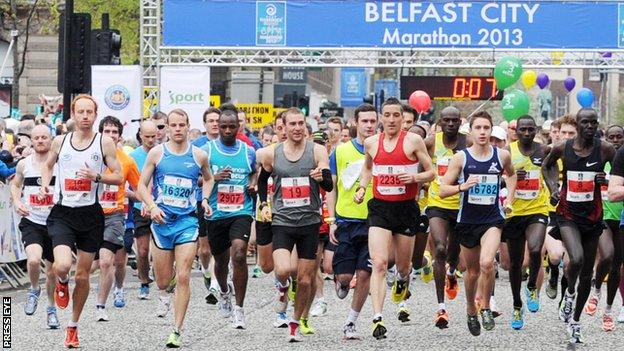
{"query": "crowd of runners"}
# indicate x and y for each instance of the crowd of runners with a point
(370, 202)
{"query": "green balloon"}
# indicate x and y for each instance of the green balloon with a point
(515, 104)
(507, 72)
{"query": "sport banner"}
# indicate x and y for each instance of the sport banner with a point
(188, 88)
(118, 92)
(11, 246)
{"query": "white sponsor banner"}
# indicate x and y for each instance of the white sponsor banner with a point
(118, 92)
(11, 246)
(188, 88)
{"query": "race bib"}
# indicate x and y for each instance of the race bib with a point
(580, 186)
(442, 165)
(528, 188)
(296, 191)
(177, 191)
(45, 203)
(75, 188)
(388, 182)
(485, 192)
(230, 198)
(108, 199)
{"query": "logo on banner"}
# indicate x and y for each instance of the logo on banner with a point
(271, 23)
(117, 97)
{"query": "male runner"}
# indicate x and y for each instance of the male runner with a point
(579, 212)
(142, 224)
(348, 228)
(77, 220)
(112, 200)
(299, 167)
(526, 224)
(231, 201)
(616, 193)
(409, 117)
(393, 211)
(610, 243)
(173, 168)
(160, 120)
(478, 169)
(442, 213)
(37, 241)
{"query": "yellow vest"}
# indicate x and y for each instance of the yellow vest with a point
(441, 158)
(349, 163)
(532, 196)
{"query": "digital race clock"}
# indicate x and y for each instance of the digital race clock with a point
(451, 88)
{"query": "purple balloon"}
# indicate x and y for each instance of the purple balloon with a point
(569, 83)
(542, 80)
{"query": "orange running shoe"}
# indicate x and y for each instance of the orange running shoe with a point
(61, 294)
(451, 288)
(607, 322)
(441, 319)
(592, 305)
(71, 338)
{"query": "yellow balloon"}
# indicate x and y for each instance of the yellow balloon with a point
(528, 78)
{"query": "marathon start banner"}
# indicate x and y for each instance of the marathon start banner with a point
(394, 24)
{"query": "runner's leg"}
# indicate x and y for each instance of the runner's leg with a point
(378, 242)
(184, 256)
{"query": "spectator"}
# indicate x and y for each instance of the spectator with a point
(7, 164)
(266, 135)
(242, 120)
(345, 135)
(498, 137)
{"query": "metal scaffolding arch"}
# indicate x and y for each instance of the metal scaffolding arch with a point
(154, 54)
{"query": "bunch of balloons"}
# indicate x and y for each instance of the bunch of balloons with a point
(507, 72)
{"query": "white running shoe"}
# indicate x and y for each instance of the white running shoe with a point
(239, 318)
(319, 308)
(163, 306)
(281, 321)
(225, 304)
(620, 317)
(101, 315)
(350, 332)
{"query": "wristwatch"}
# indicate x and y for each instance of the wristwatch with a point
(98, 178)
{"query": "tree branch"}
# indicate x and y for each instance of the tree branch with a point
(30, 14)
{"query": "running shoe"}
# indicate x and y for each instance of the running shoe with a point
(101, 315)
(281, 321)
(349, 331)
(163, 306)
(451, 288)
(379, 329)
(292, 290)
(61, 294)
(174, 341)
(403, 314)
(551, 291)
(473, 325)
(32, 298)
(71, 338)
(427, 271)
(620, 317)
(225, 303)
(441, 319)
(517, 318)
(574, 331)
(257, 272)
(487, 318)
(341, 290)
(592, 304)
(119, 298)
(144, 291)
(532, 298)
(566, 307)
(304, 327)
(211, 298)
(319, 309)
(399, 290)
(239, 318)
(294, 335)
(53, 322)
(607, 322)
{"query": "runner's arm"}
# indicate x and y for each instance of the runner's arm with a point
(110, 155)
(512, 177)
(367, 170)
(616, 181)
(330, 196)
(550, 170)
(16, 188)
(424, 160)
(208, 181)
(142, 191)
(322, 164)
(448, 183)
(48, 165)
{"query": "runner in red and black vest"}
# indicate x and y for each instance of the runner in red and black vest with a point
(579, 212)
(392, 161)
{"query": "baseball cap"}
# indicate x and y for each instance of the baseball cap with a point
(546, 125)
(499, 133)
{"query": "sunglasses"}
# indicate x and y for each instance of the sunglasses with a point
(161, 126)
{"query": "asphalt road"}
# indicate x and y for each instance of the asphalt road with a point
(136, 326)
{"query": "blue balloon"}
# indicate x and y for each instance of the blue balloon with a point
(585, 97)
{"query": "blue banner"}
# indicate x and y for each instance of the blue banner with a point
(389, 86)
(352, 86)
(394, 24)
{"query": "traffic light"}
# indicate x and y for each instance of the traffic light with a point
(105, 47)
(304, 105)
(79, 60)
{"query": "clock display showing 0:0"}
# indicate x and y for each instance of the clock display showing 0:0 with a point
(452, 87)
(472, 87)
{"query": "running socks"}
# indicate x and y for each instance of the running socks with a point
(353, 316)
